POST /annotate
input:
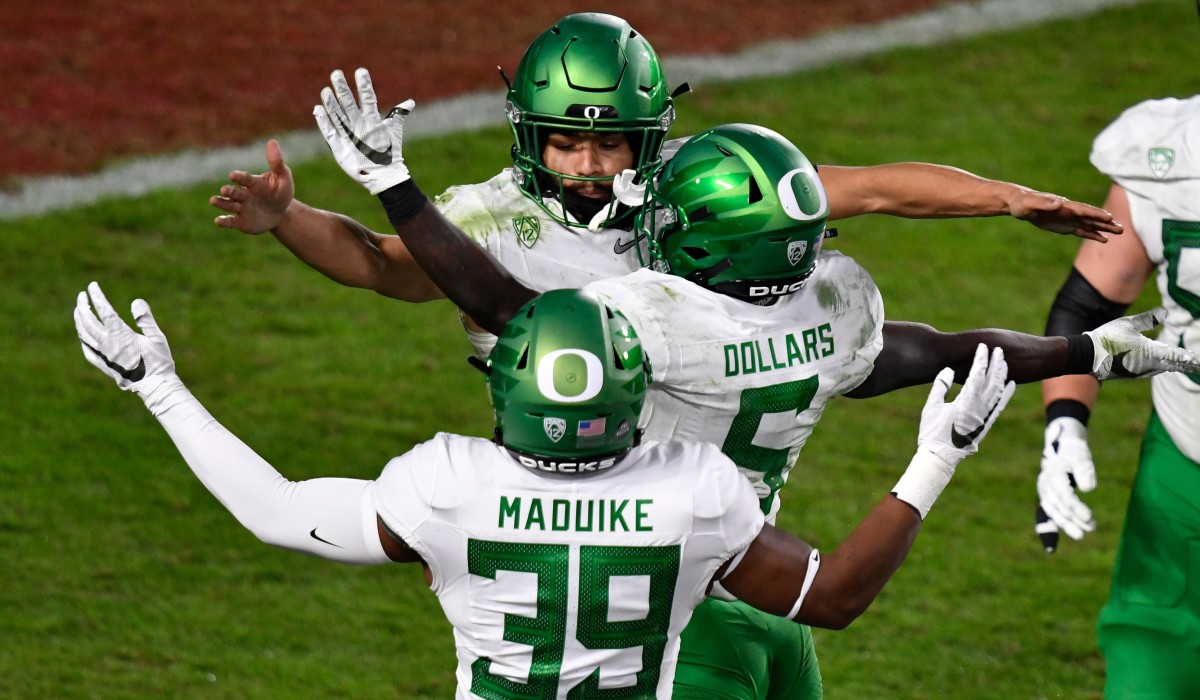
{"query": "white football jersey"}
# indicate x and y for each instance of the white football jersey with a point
(752, 379)
(1153, 151)
(566, 583)
(537, 250)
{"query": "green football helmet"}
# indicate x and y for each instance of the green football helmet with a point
(567, 379)
(739, 210)
(589, 72)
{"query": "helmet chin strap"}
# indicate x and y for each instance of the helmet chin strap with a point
(603, 215)
(584, 208)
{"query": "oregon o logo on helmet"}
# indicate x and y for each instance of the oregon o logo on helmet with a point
(594, 381)
(591, 111)
(787, 195)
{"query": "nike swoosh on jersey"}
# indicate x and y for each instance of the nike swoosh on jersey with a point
(137, 374)
(318, 538)
(621, 246)
(373, 155)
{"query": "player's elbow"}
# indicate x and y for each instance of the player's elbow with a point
(838, 614)
(274, 536)
(270, 526)
(834, 606)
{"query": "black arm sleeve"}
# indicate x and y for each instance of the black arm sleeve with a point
(466, 273)
(1078, 307)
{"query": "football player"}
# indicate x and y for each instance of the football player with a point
(567, 553)
(1149, 626)
(751, 333)
(588, 101)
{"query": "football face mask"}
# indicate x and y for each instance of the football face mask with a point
(588, 73)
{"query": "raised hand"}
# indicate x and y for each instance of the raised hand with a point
(1122, 352)
(950, 432)
(365, 144)
(1063, 216)
(256, 203)
(954, 430)
(136, 362)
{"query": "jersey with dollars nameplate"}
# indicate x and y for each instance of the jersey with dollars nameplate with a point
(753, 379)
(557, 583)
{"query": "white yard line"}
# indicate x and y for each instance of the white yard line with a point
(482, 109)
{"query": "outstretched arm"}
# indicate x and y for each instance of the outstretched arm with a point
(783, 575)
(925, 191)
(913, 352)
(335, 245)
(332, 518)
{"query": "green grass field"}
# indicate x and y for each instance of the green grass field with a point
(123, 578)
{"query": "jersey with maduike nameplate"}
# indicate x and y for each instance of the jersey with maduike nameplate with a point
(752, 379)
(567, 585)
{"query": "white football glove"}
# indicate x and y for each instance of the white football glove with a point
(953, 431)
(1066, 466)
(137, 363)
(950, 432)
(366, 145)
(1123, 352)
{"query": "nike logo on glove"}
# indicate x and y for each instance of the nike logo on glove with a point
(960, 440)
(621, 246)
(318, 538)
(375, 156)
(1118, 366)
(137, 374)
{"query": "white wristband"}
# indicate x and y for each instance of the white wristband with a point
(814, 563)
(923, 481)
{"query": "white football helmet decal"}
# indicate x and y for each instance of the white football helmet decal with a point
(555, 428)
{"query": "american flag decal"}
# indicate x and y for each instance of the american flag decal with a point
(588, 428)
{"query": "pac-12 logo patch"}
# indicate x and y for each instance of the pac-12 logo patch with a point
(528, 229)
(555, 428)
(796, 251)
(1161, 160)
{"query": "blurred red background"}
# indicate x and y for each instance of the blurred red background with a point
(87, 82)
